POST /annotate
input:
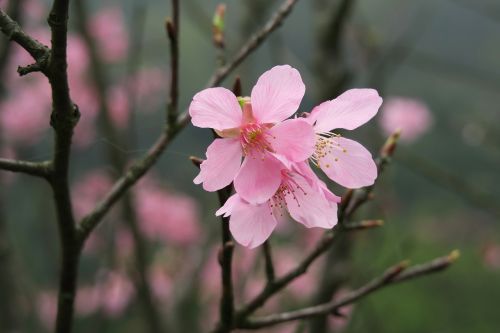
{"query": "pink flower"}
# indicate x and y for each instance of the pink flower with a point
(87, 301)
(305, 197)
(89, 190)
(409, 115)
(257, 132)
(343, 160)
(108, 27)
(160, 282)
(116, 293)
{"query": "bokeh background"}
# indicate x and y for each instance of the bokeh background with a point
(435, 63)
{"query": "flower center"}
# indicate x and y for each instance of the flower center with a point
(288, 187)
(254, 139)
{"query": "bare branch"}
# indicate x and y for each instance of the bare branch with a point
(172, 27)
(38, 169)
(268, 258)
(395, 274)
(13, 31)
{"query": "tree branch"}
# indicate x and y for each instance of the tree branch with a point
(172, 27)
(13, 31)
(268, 258)
(393, 275)
(38, 169)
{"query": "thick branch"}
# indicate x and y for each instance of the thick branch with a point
(38, 169)
(395, 274)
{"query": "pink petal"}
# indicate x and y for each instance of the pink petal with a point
(277, 94)
(305, 171)
(348, 163)
(309, 206)
(215, 108)
(228, 206)
(349, 111)
(258, 179)
(251, 225)
(294, 139)
(221, 166)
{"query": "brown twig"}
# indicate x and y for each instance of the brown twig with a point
(268, 261)
(38, 169)
(173, 28)
(393, 275)
(13, 31)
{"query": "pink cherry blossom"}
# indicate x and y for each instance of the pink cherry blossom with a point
(160, 282)
(300, 193)
(89, 190)
(256, 132)
(409, 115)
(87, 301)
(116, 292)
(343, 160)
(108, 27)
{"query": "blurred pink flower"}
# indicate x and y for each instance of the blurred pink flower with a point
(88, 190)
(491, 256)
(167, 216)
(160, 282)
(256, 133)
(46, 308)
(345, 161)
(87, 301)
(409, 115)
(109, 29)
(25, 113)
(116, 292)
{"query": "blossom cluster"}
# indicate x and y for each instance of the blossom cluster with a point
(265, 152)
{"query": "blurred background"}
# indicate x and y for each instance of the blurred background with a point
(436, 63)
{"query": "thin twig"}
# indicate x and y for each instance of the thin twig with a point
(38, 169)
(268, 258)
(13, 31)
(173, 28)
(393, 275)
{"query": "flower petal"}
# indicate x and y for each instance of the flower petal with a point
(348, 163)
(251, 225)
(349, 111)
(228, 206)
(215, 108)
(294, 139)
(221, 166)
(309, 206)
(258, 179)
(277, 94)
